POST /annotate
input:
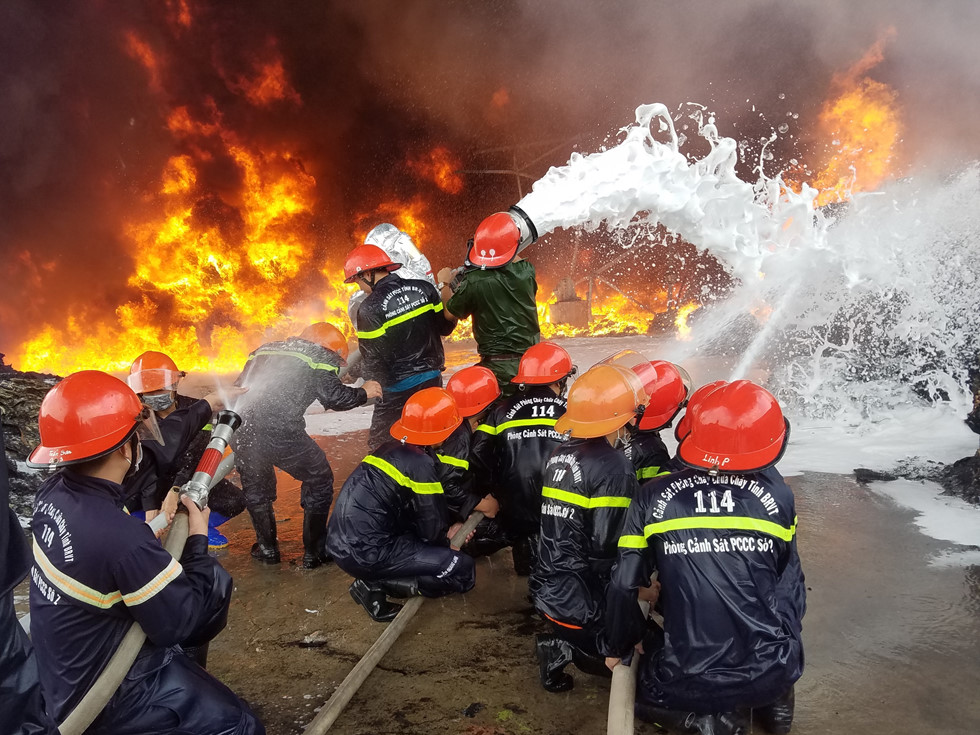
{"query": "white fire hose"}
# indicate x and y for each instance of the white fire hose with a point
(363, 668)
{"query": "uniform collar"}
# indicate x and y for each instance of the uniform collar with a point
(111, 491)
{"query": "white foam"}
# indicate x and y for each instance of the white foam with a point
(941, 517)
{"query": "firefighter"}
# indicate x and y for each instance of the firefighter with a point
(498, 289)
(474, 389)
(514, 441)
(400, 325)
(284, 379)
(722, 536)
(588, 485)
(390, 528)
(97, 570)
(667, 393)
(155, 378)
(21, 707)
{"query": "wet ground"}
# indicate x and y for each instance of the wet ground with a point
(891, 638)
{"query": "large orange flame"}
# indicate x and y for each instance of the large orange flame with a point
(861, 119)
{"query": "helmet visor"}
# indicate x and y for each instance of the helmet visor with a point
(147, 428)
(146, 381)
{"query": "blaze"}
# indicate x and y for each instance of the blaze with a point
(439, 166)
(861, 121)
(680, 321)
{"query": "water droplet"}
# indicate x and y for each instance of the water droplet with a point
(784, 128)
(796, 116)
(794, 161)
(782, 96)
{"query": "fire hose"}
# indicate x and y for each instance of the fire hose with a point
(622, 693)
(197, 488)
(362, 669)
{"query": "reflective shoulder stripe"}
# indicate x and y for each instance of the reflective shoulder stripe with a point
(72, 587)
(515, 424)
(603, 501)
(422, 488)
(629, 541)
(488, 429)
(399, 319)
(299, 355)
(645, 473)
(208, 427)
(454, 461)
(151, 588)
(735, 523)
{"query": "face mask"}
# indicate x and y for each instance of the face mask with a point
(160, 402)
(137, 452)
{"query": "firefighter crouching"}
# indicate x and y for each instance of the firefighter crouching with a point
(474, 389)
(722, 536)
(588, 485)
(97, 569)
(515, 440)
(284, 378)
(400, 326)
(389, 526)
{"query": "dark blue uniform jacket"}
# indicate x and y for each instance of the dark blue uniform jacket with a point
(732, 595)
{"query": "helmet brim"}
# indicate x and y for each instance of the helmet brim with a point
(421, 438)
(698, 459)
(591, 429)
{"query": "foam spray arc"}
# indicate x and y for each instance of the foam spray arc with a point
(874, 308)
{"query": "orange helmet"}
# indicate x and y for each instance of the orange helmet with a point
(367, 258)
(495, 243)
(664, 385)
(85, 416)
(153, 371)
(326, 335)
(543, 364)
(683, 427)
(428, 418)
(601, 401)
(473, 388)
(738, 427)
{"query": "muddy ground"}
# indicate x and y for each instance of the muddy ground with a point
(891, 634)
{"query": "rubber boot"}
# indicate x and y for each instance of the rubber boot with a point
(266, 548)
(315, 540)
(590, 663)
(554, 655)
(371, 597)
(777, 718)
(400, 588)
(690, 723)
(216, 539)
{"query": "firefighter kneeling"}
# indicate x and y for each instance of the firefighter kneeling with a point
(588, 485)
(390, 524)
(722, 535)
(97, 569)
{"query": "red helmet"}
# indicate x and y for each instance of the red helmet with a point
(326, 335)
(601, 401)
(473, 388)
(543, 364)
(495, 242)
(85, 416)
(738, 427)
(428, 418)
(366, 258)
(153, 371)
(683, 427)
(664, 384)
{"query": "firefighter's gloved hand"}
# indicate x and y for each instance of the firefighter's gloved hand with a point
(221, 398)
(445, 275)
(373, 389)
(197, 519)
(488, 506)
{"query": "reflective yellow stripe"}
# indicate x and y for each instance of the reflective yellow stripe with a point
(645, 473)
(209, 427)
(422, 488)
(151, 588)
(72, 587)
(399, 319)
(602, 501)
(454, 461)
(630, 541)
(512, 424)
(737, 523)
(289, 353)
